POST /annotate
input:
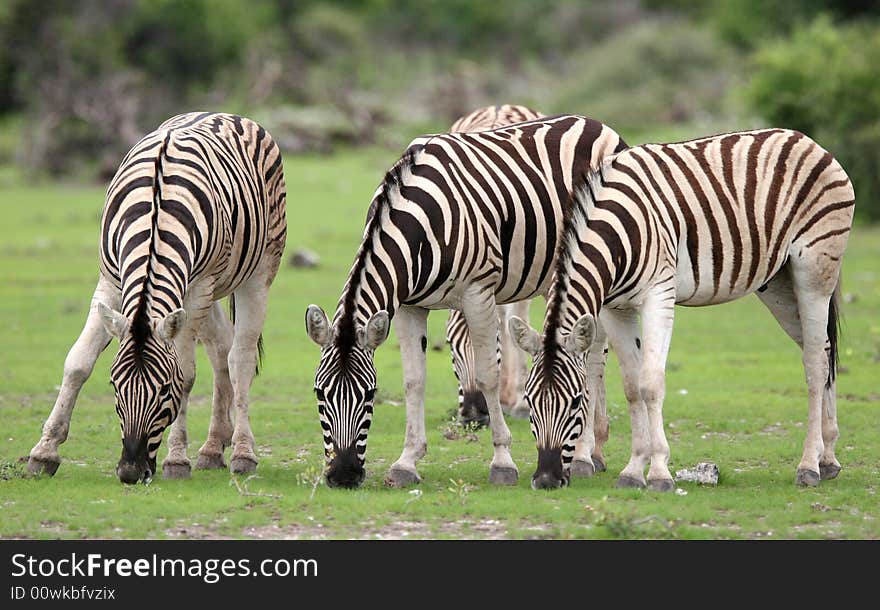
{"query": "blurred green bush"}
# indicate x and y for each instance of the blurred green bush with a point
(825, 81)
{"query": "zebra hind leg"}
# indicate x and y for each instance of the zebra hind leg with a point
(217, 337)
(779, 297)
(514, 366)
(817, 311)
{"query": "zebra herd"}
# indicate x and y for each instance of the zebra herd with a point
(507, 205)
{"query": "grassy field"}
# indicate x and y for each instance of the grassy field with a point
(736, 396)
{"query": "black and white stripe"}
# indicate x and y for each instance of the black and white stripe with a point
(694, 223)
(471, 402)
(195, 213)
(462, 221)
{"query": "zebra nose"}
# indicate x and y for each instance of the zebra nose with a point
(129, 473)
(549, 474)
(474, 409)
(546, 480)
(346, 470)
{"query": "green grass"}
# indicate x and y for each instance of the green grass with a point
(736, 396)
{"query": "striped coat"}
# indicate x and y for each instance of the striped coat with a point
(695, 223)
(463, 221)
(195, 213)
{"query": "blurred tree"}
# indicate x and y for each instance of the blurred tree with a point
(187, 42)
(825, 82)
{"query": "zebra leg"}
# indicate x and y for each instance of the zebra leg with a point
(779, 297)
(217, 337)
(176, 464)
(596, 377)
(482, 319)
(411, 327)
(514, 371)
(78, 366)
(813, 308)
(250, 314)
(585, 463)
(658, 313)
(622, 328)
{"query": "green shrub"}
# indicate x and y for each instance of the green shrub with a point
(825, 82)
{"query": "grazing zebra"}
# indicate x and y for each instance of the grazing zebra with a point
(463, 221)
(695, 223)
(472, 406)
(195, 212)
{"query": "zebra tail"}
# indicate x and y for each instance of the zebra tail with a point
(260, 349)
(834, 327)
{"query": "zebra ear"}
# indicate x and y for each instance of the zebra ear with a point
(526, 337)
(317, 325)
(171, 325)
(581, 336)
(114, 322)
(376, 330)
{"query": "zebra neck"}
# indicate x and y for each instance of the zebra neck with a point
(154, 279)
(586, 274)
(369, 290)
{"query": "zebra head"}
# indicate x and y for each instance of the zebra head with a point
(472, 407)
(345, 386)
(148, 382)
(557, 395)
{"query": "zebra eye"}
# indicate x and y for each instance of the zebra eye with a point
(165, 391)
(369, 395)
(319, 393)
(576, 403)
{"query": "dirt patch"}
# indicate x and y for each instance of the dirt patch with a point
(482, 529)
(195, 531)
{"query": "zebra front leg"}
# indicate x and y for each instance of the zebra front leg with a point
(658, 313)
(217, 336)
(176, 464)
(482, 320)
(601, 424)
(78, 366)
(587, 451)
(250, 314)
(411, 327)
(622, 328)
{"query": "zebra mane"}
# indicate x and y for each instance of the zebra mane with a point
(140, 323)
(582, 193)
(346, 333)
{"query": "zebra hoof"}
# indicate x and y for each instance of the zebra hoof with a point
(210, 462)
(242, 465)
(400, 477)
(598, 464)
(37, 466)
(520, 411)
(176, 471)
(829, 471)
(503, 475)
(662, 485)
(807, 478)
(627, 482)
(582, 468)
